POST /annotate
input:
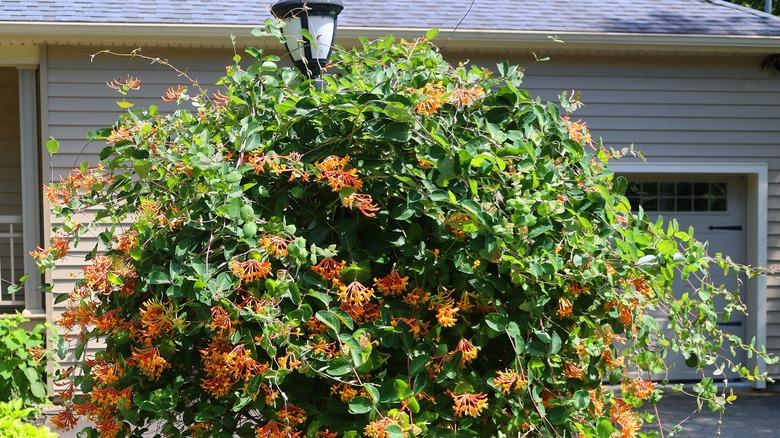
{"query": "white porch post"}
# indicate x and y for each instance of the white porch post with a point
(31, 190)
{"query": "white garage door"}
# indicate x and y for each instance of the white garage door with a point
(715, 206)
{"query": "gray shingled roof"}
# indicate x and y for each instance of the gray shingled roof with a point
(707, 17)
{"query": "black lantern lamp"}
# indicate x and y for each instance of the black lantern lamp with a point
(318, 18)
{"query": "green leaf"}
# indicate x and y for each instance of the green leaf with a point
(397, 111)
(372, 392)
(158, 277)
(38, 389)
(513, 330)
(394, 431)
(329, 319)
(605, 429)
(431, 34)
(360, 271)
(555, 343)
(125, 104)
(581, 399)
(418, 364)
(402, 389)
(52, 145)
(360, 405)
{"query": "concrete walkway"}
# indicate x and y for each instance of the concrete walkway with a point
(753, 414)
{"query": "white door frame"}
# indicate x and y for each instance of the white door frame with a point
(756, 229)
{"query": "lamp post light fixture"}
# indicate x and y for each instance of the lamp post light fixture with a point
(309, 31)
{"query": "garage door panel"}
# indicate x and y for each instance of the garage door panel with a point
(714, 205)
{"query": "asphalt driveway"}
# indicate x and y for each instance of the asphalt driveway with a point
(753, 414)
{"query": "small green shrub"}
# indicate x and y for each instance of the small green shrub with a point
(12, 425)
(22, 361)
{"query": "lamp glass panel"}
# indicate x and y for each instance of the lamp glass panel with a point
(322, 28)
(292, 32)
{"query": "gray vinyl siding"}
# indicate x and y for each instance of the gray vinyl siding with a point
(10, 173)
(78, 101)
(10, 180)
(701, 109)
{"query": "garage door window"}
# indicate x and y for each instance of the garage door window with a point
(678, 196)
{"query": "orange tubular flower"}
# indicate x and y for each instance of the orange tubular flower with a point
(641, 286)
(578, 131)
(392, 283)
(107, 374)
(572, 371)
(564, 308)
(378, 428)
(466, 96)
(64, 420)
(417, 297)
(274, 429)
(108, 321)
(291, 415)
(326, 433)
(60, 245)
(250, 270)
(468, 351)
(508, 381)
(220, 100)
(109, 427)
(364, 203)
(577, 289)
(355, 294)
(127, 241)
(128, 82)
(621, 415)
(275, 245)
(121, 133)
(149, 361)
(289, 361)
(328, 269)
(432, 99)
(361, 314)
(447, 315)
(333, 170)
(344, 391)
(41, 253)
(469, 404)
(96, 275)
(597, 401)
(417, 328)
(225, 365)
(641, 389)
(221, 321)
(173, 94)
(156, 320)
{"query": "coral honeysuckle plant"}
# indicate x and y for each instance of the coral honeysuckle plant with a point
(415, 249)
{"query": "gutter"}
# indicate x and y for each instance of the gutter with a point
(208, 35)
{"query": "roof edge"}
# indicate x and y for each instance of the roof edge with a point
(207, 35)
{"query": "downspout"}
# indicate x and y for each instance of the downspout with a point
(768, 6)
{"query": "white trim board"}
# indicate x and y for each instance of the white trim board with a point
(216, 35)
(756, 218)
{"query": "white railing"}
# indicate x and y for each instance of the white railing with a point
(11, 260)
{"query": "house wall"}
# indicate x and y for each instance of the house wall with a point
(719, 109)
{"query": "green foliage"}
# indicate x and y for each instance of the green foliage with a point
(22, 361)
(758, 5)
(12, 425)
(416, 249)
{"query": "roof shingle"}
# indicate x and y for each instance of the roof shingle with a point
(703, 17)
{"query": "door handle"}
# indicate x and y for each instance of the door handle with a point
(726, 227)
